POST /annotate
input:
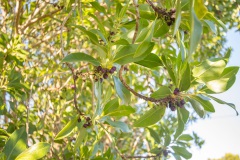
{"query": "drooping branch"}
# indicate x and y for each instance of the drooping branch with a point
(162, 101)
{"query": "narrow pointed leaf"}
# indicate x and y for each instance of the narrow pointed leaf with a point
(150, 61)
(122, 92)
(223, 102)
(200, 9)
(122, 111)
(182, 152)
(16, 144)
(154, 134)
(67, 129)
(151, 117)
(178, 17)
(195, 32)
(197, 107)
(143, 48)
(78, 57)
(36, 151)
(111, 106)
(207, 105)
(81, 135)
(162, 92)
(185, 81)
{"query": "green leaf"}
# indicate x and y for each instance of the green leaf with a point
(93, 38)
(111, 106)
(167, 140)
(162, 92)
(178, 17)
(122, 111)
(161, 28)
(222, 102)
(78, 57)
(146, 34)
(150, 61)
(219, 85)
(97, 6)
(207, 105)
(183, 116)
(185, 81)
(195, 32)
(124, 54)
(118, 124)
(151, 117)
(122, 92)
(67, 129)
(16, 144)
(123, 11)
(81, 135)
(229, 72)
(209, 69)
(36, 151)
(211, 17)
(121, 42)
(197, 107)
(100, 24)
(182, 152)
(185, 137)
(168, 64)
(200, 9)
(143, 48)
(154, 135)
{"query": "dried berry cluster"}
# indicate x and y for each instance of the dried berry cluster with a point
(165, 153)
(102, 73)
(168, 16)
(176, 102)
(87, 123)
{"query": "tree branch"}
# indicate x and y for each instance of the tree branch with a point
(149, 156)
(162, 101)
(137, 21)
(18, 12)
(75, 88)
(39, 19)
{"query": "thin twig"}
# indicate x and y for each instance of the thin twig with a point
(35, 20)
(149, 156)
(28, 108)
(162, 101)
(18, 10)
(63, 24)
(75, 88)
(137, 21)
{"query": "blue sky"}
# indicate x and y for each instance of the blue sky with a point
(222, 131)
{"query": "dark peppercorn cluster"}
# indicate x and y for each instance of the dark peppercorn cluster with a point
(168, 16)
(176, 102)
(88, 122)
(102, 73)
(165, 153)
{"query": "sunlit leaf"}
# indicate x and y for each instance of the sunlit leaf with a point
(111, 106)
(195, 32)
(209, 69)
(154, 135)
(36, 151)
(178, 17)
(143, 48)
(162, 92)
(16, 144)
(78, 57)
(185, 81)
(150, 61)
(122, 111)
(67, 130)
(200, 9)
(151, 117)
(82, 133)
